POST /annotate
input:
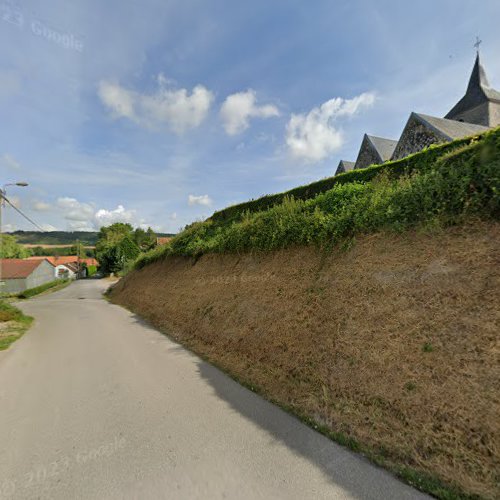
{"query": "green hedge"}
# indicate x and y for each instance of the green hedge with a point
(91, 270)
(417, 161)
(426, 188)
(30, 292)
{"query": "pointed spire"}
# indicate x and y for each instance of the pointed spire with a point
(478, 76)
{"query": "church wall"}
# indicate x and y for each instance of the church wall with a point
(367, 156)
(494, 114)
(478, 115)
(415, 137)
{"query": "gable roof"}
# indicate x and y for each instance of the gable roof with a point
(449, 129)
(72, 266)
(384, 147)
(19, 268)
(57, 260)
(478, 91)
(344, 166)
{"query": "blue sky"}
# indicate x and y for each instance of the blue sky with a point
(159, 112)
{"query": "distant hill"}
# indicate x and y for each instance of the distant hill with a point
(60, 237)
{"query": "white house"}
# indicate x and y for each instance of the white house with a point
(67, 271)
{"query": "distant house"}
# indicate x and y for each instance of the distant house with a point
(163, 240)
(90, 261)
(66, 271)
(21, 274)
(68, 266)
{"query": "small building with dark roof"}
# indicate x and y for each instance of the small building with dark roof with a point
(18, 275)
(374, 150)
(344, 166)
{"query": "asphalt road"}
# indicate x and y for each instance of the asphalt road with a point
(96, 404)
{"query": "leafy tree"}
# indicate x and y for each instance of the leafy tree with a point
(145, 240)
(115, 246)
(10, 249)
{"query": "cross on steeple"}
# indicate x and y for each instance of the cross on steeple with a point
(478, 43)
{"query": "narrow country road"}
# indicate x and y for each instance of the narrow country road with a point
(94, 404)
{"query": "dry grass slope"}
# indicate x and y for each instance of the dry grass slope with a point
(394, 342)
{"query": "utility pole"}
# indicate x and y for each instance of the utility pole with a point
(3, 192)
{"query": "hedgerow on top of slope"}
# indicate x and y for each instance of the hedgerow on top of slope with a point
(445, 183)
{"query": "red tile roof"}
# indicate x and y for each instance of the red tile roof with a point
(163, 240)
(18, 268)
(56, 261)
(90, 261)
(65, 259)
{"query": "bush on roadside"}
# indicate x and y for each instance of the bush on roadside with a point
(8, 312)
(91, 270)
(31, 292)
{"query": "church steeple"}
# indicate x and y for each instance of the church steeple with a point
(480, 104)
(478, 76)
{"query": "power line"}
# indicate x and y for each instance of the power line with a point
(3, 197)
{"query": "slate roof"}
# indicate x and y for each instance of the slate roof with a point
(478, 91)
(449, 129)
(344, 166)
(385, 147)
(18, 268)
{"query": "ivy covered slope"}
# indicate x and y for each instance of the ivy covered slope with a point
(441, 185)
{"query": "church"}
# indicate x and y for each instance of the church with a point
(476, 112)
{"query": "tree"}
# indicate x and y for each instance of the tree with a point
(10, 249)
(145, 240)
(111, 251)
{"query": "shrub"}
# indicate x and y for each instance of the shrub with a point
(91, 270)
(30, 292)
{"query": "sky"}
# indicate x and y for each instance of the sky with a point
(159, 112)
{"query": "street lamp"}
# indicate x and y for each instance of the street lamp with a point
(3, 193)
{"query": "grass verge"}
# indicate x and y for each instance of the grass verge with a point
(53, 286)
(13, 324)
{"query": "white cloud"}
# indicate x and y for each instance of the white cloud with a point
(119, 100)
(40, 206)
(75, 211)
(106, 217)
(176, 108)
(48, 227)
(85, 217)
(9, 161)
(204, 200)
(315, 135)
(238, 108)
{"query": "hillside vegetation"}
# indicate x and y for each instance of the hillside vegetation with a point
(442, 185)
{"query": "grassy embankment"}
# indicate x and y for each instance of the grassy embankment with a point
(367, 304)
(13, 323)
